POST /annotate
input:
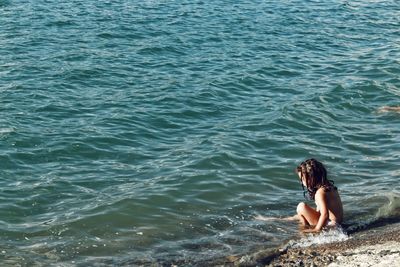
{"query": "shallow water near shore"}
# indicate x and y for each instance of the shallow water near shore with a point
(154, 132)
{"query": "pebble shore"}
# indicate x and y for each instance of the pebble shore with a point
(372, 248)
(378, 246)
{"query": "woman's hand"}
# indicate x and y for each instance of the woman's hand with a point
(311, 230)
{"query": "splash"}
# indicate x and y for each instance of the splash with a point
(325, 237)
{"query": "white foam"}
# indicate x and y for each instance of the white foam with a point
(325, 237)
(4, 131)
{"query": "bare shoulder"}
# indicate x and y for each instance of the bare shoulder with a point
(321, 193)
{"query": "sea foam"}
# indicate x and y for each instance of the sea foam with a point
(325, 237)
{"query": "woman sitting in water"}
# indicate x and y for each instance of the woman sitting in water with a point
(329, 211)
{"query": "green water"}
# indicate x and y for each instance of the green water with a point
(154, 131)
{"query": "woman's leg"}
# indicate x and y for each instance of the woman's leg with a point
(307, 215)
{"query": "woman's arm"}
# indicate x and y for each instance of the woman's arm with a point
(320, 201)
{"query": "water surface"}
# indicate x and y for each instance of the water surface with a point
(154, 131)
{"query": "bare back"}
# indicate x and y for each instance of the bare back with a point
(333, 203)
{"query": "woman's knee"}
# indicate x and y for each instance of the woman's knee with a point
(301, 208)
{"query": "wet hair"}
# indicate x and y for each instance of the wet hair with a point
(315, 176)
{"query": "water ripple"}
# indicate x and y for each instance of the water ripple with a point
(148, 133)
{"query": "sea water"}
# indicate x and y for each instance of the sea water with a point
(154, 132)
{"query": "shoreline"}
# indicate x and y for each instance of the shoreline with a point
(370, 247)
(376, 245)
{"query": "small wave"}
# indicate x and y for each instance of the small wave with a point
(61, 23)
(4, 3)
(391, 207)
(4, 131)
(387, 212)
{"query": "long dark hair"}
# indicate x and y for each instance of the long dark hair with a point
(315, 176)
